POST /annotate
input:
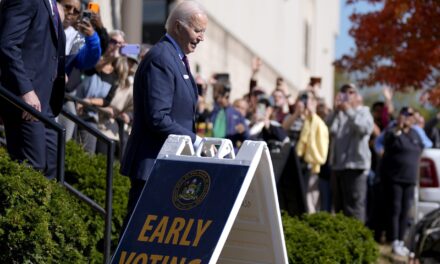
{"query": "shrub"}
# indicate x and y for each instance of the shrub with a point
(324, 238)
(40, 222)
(87, 173)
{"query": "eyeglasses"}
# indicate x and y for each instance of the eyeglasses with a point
(115, 42)
(70, 8)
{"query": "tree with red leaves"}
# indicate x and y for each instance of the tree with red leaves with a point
(397, 45)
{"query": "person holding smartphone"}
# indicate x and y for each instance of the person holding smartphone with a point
(402, 146)
(350, 127)
(83, 51)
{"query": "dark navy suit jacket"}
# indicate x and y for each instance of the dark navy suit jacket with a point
(165, 97)
(32, 52)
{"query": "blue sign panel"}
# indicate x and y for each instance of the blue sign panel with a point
(181, 213)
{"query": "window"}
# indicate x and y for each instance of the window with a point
(154, 15)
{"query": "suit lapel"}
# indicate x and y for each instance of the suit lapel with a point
(51, 15)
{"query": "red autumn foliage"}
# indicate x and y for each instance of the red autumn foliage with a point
(398, 44)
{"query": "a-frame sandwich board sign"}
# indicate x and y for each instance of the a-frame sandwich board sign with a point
(197, 209)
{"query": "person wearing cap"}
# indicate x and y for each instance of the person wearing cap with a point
(402, 148)
(350, 157)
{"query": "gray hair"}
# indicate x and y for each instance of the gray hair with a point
(117, 32)
(183, 12)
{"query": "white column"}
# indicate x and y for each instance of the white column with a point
(131, 18)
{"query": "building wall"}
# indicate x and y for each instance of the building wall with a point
(273, 30)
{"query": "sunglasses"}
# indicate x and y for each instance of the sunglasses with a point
(69, 8)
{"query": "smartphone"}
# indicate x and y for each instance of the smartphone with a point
(86, 15)
(344, 97)
(200, 89)
(130, 49)
(304, 98)
(261, 111)
(93, 7)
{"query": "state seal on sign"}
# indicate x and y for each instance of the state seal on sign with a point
(191, 189)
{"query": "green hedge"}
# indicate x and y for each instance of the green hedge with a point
(88, 174)
(39, 221)
(326, 238)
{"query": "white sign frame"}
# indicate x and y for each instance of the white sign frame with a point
(253, 232)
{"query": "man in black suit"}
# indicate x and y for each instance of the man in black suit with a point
(165, 94)
(32, 67)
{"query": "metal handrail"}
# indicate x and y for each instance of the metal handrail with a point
(107, 212)
(2, 130)
(20, 104)
(61, 131)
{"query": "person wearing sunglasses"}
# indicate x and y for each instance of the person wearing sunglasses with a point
(402, 147)
(83, 50)
(116, 41)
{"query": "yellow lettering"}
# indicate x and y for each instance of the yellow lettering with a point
(124, 255)
(141, 257)
(182, 261)
(159, 231)
(177, 226)
(201, 229)
(174, 260)
(155, 258)
(184, 241)
(146, 227)
(165, 260)
(195, 261)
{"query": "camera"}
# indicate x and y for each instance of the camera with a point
(304, 98)
(344, 97)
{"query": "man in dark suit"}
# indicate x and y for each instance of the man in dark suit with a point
(32, 67)
(165, 95)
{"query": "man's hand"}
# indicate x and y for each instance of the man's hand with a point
(31, 99)
(342, 102)
(125, 117)
(86, 28)
(387, 93)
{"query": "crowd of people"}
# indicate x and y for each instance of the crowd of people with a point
(352, 159)
(348, 158)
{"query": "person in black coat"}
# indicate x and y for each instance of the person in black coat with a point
(32, 46)
(402, 150)
(165, 95)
